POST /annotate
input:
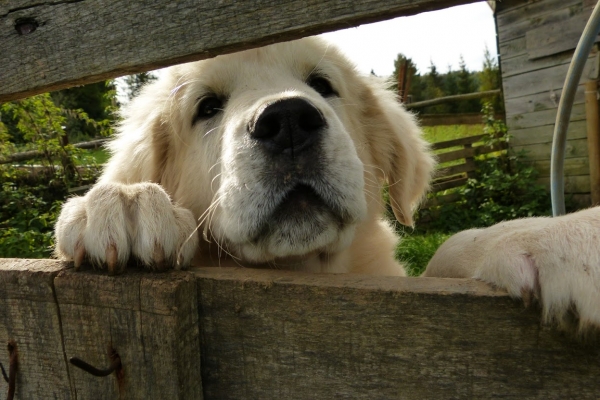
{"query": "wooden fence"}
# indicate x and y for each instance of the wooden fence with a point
(460, 153)
(239, 333)
(219, 333)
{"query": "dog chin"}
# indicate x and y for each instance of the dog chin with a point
(321, 235)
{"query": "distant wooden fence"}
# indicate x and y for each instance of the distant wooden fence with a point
(460, 153)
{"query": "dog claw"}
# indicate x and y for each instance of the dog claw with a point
(78, 256)
(112, 261)
(159, 257)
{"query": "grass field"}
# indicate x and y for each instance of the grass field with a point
(434, 134)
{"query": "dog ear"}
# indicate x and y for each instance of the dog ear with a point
(401, 154)
(140, 147)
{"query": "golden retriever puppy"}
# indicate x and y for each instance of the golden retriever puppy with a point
(274, 157)
(552, 260)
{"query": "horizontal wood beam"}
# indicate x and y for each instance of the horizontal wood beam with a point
(226, 333)
(56, 44)
(454, 119)
(453, 98)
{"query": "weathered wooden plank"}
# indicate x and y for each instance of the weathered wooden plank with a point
(440, 200)
(517, 21)
(150, 320)
(453, 119)
(573, 185)
(469, 166)
(469, 152)
(577, 166)
(30, 316)
(512, 48)
(448, 183)
(540, 118)
(85, 41)
(556, 37)
(544, 134)
(547, 100)
(276, 334)
(457, 142)
(544, 80)
(541, 151)
(520, 64)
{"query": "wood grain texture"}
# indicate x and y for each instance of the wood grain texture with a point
(519, 17)
(557, 37)
(544, 80)
(270, 334)
(541, 118)
(219, 333)
(29, 315)
(544, 134)
(86, 41)
(151, 320)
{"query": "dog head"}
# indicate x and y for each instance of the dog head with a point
(281, 151)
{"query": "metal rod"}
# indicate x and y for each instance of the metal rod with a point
(559, 141)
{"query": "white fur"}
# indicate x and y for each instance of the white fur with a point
(555, 260)
(214, 169)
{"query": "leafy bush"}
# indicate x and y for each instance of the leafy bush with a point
(415, 251)
(503, 187)
(31, 195)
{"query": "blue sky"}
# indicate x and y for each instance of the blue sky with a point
(439, 36)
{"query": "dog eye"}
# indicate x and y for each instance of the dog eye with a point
(208, 108)
(322, 86)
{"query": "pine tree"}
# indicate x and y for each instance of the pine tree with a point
(490, 79)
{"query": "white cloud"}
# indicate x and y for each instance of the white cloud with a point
(438, 36)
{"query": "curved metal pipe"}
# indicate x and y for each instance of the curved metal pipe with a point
(557, 159)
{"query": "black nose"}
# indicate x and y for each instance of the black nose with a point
(288, 126)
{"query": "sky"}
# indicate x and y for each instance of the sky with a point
(440, 37)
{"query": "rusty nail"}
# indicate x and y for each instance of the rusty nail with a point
(25, 26)
(115, 365)
(13, 360)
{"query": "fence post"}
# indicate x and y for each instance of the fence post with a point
(593, 138)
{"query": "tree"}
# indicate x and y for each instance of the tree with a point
(89, 109)
(467, 83)
(490, 79)
(433, 88)
(136, 82)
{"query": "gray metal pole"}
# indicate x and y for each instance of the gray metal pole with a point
(559, 141)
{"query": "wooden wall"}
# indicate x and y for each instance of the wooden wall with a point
(537, 39)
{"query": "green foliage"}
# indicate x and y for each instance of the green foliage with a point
(27, 214)
(434, 84)
(30, 197)
(503, 187)
(415, 251)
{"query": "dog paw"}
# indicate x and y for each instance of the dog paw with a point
(114, 222)
(553, 262)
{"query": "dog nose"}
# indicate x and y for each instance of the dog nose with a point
(288, 126)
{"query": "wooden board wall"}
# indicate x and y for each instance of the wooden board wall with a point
(241, 333)
(537, 40)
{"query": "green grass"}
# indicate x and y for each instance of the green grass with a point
(434, 134)
(100, 155)
(415, 250)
